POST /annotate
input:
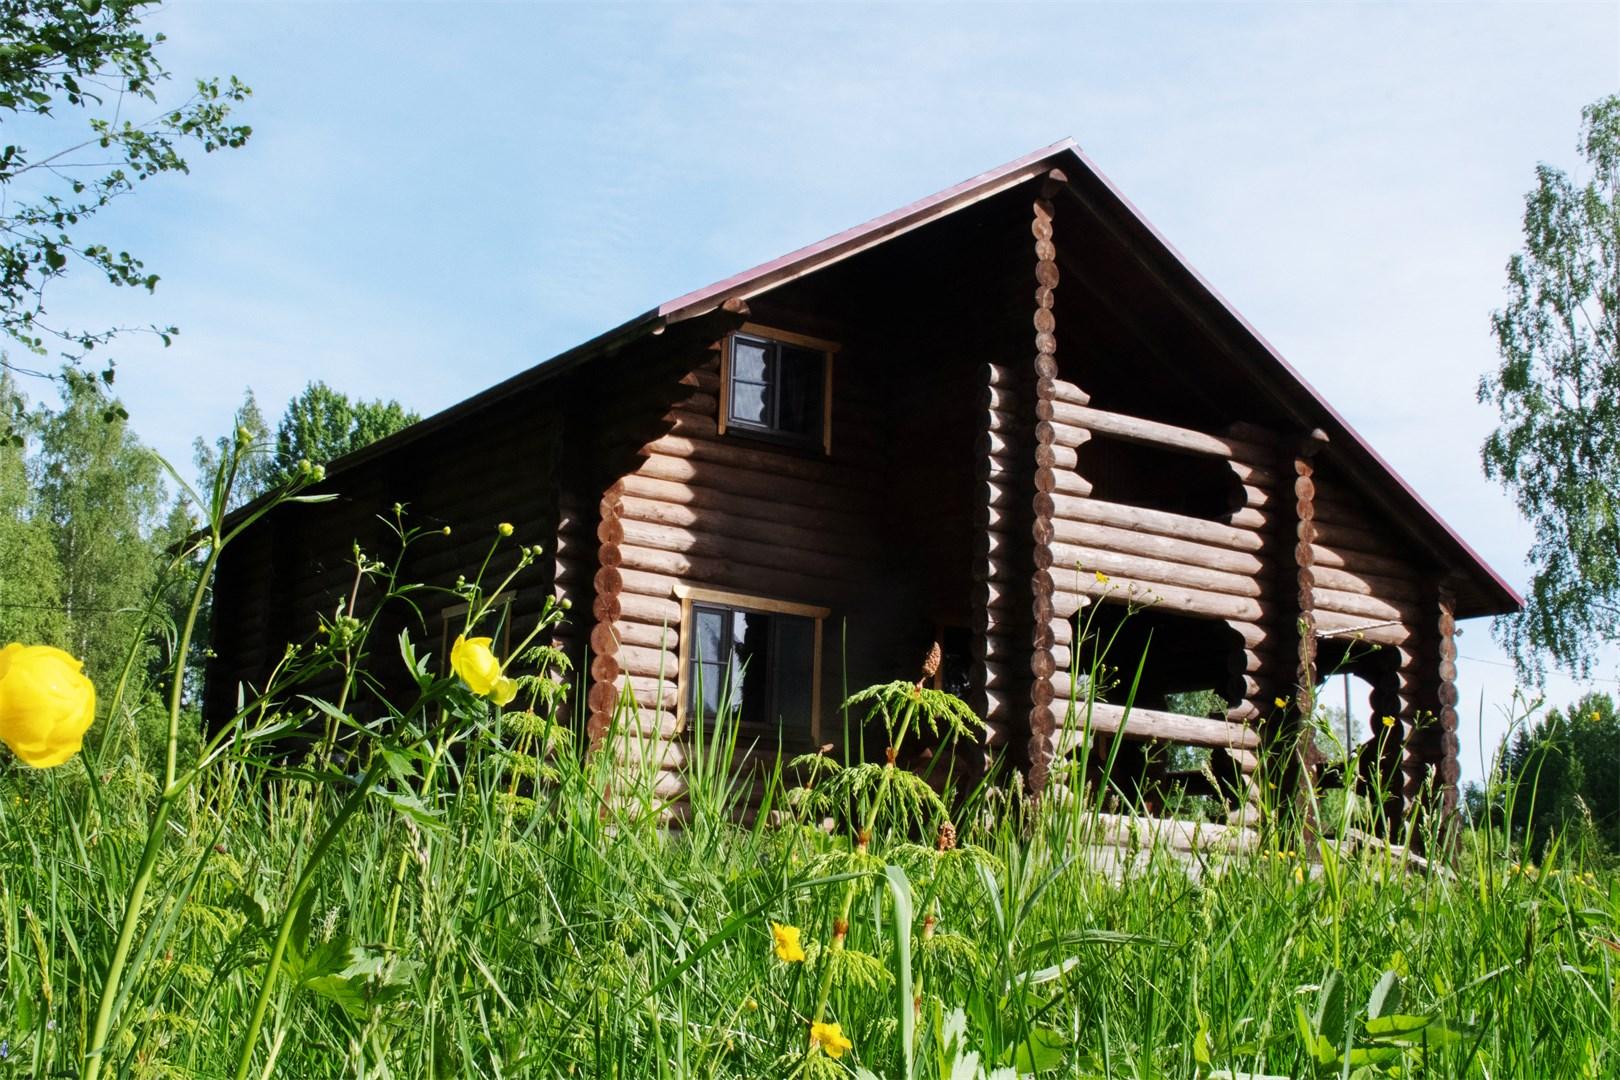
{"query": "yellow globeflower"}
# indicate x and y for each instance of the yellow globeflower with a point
(1389, 721)
(504, 528)
(472, 659)
(830, 1037)
(46, 703)
(1281, 703)
(788, 949)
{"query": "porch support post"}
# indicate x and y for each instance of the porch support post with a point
(1293, 748)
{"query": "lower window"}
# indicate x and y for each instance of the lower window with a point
(754, 658)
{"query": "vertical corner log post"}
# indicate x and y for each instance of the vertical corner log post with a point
(1042, 721)
(1293, 745)
(619, 453)
(603, 697)
(1431, 760)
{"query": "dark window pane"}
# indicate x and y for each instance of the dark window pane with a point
(751, 638)
(801, 377)
(793, 671)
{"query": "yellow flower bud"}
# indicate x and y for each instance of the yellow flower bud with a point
(46, 703)
(504, 528)
(472, 659)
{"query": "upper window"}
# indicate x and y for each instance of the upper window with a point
(777, 386)
(753, 658)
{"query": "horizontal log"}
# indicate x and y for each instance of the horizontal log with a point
(1055, 456)
(1068, 393)
(1389, 588)
(732, 574)
(638, 660)
(1158, 522)
(998, 375)
(1361, 562)
(755, 483)
(1249, 518)
(1153, 433)
(650, 692)
(1070, 484)
(1146, 833)
(646, 609)
(1062, 631)
(997, 495)
(1256, 475)
(1005, 423)
(1109, 719)
(752, 520)
(1357, 628)
(1004, 398)
(1349, 538)
(1059, 434)
(630, 747)
(1123, 589)
(1154, 545)
(816, 470)
(710, 543)
(1367, 607)
(1065, 604)
(846, 521)
(1076, 558)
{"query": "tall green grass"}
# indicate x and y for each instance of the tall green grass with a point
(438, 888)
(570, 931)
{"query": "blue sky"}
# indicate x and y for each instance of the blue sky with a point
(437, 196)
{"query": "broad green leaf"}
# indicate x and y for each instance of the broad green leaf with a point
(1385, 997)
(1043, 1049)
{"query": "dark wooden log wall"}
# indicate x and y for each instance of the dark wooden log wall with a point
(298, 562)
(690, 506)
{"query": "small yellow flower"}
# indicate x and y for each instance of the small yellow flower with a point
(788, 949)
(830, 1037)
(46, 703)
(472, 659)
(1281, 703)
(445, 530)
(1102, 578)
(1597, 717)
(1389, 721)
(504, 528)
(751, 1005)
(1299, 875)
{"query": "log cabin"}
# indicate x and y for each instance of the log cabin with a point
(993, 423)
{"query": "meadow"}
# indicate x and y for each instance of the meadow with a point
(438, 885)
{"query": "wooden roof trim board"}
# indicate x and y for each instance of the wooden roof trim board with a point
(1243, 343)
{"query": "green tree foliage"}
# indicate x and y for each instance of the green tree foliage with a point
(99, 492)
(322, 424)
(30, 577)
(1558, 390)
(85, 77)
(1565, 775)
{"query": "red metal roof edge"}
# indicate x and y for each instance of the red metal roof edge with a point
(852, 240)
(1291, 372)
